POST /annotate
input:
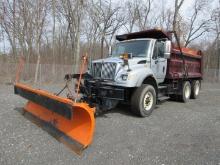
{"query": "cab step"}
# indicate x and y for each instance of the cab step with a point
(163, 98)
(162, 87)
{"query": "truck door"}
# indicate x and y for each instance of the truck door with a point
(158, 62)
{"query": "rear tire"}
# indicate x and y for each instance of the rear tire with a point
(196, 85)
(143, 100)
(186, 91)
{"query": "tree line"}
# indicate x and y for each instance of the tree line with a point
(60, 31)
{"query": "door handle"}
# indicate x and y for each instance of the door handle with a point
(156, 61)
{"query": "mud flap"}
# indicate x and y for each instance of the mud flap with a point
(72, 123)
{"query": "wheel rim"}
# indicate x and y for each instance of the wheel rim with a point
(197, 88)
(187, 91)
(148, 101)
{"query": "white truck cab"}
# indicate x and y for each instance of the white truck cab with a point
(146, 58)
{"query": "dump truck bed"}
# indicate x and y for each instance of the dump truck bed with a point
(193, 64)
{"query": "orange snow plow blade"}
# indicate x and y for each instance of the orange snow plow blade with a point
(74, 123)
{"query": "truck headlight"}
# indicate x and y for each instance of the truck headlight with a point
(124, 77)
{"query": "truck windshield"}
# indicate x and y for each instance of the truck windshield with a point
(137, 48)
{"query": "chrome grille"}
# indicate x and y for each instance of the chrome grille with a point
(96, 70)
(104, 70)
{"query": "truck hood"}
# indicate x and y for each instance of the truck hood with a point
(110, 59)
(132, 62)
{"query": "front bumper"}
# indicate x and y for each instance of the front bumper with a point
(105, 90)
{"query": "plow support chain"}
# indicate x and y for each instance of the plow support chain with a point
(73, 123)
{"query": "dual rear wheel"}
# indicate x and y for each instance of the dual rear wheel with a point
(190, 90)
(196, 86)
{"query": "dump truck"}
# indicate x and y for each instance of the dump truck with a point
(143, 69)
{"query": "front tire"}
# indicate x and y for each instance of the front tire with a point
(143, 100)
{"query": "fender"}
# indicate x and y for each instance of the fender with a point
(143, 74)
(146, 78)
(136, 77)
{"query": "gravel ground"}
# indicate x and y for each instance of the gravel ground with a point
(175, 133)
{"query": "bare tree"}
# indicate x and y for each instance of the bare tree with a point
(24, 28)
(165, 16)
(132, 14)
(143, 14)
(54, 28)
(216, 29)
(39, 24)
(8, 20)
(108, 20)
(91, 33)
(73, 13)
(168, 19)
(197, 28)
(178, 4)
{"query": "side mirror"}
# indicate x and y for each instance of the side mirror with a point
(167, 49)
